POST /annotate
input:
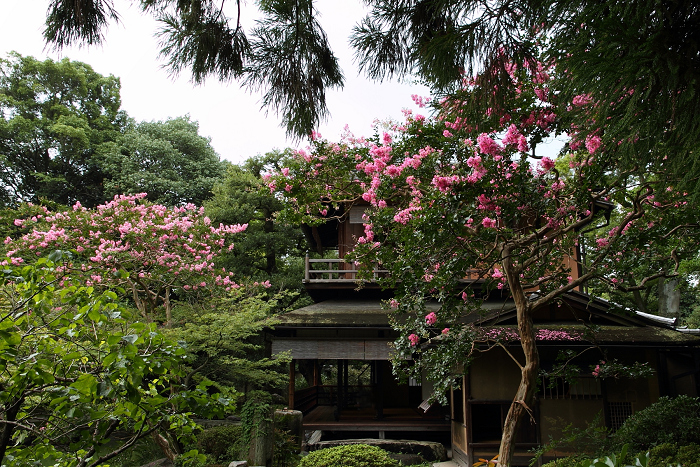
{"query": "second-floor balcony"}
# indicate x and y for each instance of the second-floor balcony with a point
(336, 271)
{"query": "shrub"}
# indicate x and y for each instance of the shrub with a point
(562, 462)
(353, 455)
(666, 421)
(667, 454)
(221, 442)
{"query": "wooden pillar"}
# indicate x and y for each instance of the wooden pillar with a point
(467, 414)
(379, 390)
(346, 388)
(339, 382)
(292, 379)
(317, 373)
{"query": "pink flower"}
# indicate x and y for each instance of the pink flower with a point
(430, 318)
(446, 330)
(592, 144)
(582, 99)
(488, 145)
(488, 223)
(393, 303)
(547, 163)
(413, 339)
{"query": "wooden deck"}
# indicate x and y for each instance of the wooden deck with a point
(322, 418)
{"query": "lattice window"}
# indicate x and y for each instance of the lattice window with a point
(584, 387)
(618, 412)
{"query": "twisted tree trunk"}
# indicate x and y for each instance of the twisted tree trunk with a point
(524, 399)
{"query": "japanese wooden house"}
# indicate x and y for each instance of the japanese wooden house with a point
(341, 378)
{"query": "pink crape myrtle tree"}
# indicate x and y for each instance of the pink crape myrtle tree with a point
(149, 250)
(466, 194)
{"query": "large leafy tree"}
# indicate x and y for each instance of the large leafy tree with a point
(155, 252)
(53, 116)
(169, 160)
(76, 369)
(269, 249)
(467, 196)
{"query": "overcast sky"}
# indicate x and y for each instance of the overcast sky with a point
(228, 114)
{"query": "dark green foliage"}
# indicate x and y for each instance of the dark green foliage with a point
(69, 21)
(292, 61)
(169, 160)
(288, 55)
(354, 455)
(663, 455)
(268, 249)
(643, 57)
(440, 40)
(142, 452)
(53, 117)
(583, 442)
(223, 443)
(286, 453)
(562, 462)
(672, 454)
(666, 421)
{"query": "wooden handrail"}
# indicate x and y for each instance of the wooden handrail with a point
(334, 271)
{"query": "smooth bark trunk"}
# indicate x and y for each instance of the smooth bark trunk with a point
(524, 399)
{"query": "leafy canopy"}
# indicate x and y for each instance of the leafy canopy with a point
(53, 117)
(76, 368)
(168, 159)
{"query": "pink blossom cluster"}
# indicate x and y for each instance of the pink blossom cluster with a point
(154, 243)
(542, 334)
(405, 215)
(513, 137)
(597, 369)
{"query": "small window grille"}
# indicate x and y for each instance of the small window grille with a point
(618, 412)
(413, 382)
(584, 387)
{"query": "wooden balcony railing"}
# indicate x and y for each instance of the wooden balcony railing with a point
(335, 270)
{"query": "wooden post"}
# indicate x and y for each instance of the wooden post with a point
(346, 389)
(307, 274)
(292, 379)
(379, 390)
(467, 414)
(317, 373)
(339, 390)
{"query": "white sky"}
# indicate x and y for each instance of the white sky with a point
(228, 114)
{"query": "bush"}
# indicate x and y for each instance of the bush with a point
(666, 421)
(667, 454)
(222, 443)
(562, 462)
(353, 455)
